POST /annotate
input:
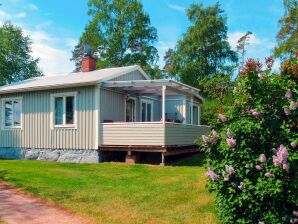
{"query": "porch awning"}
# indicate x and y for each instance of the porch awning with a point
(153, 87)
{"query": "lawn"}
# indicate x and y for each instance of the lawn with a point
(119, 193)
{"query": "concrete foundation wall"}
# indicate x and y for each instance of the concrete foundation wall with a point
(53, 155)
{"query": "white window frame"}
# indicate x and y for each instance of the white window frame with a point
(135, 109)
(64, 125)
(147, 102)
(4, 127)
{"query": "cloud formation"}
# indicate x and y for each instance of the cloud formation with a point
(177, 7)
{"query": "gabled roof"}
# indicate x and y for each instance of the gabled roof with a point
(70, 80)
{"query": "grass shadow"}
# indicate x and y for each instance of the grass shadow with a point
(195, 160)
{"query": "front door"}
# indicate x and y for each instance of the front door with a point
(130, 110)
(147, 111)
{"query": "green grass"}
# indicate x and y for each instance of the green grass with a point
(119, 193)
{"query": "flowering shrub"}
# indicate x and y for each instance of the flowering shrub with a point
(252, 152)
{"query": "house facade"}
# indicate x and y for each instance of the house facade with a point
(89, 115)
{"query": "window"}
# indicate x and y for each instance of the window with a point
(130, 110)
(64, 110)
(12, 113)
(147, 110)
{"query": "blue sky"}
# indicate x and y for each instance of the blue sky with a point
(55, 26)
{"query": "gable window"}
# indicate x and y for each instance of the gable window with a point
(64, 110)
(12, 113)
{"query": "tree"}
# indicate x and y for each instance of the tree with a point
(251, 152)
(287, 36)
(120, 34)
(204, 49)
(16, 63)
(241, 43)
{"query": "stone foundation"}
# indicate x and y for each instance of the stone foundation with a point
(54, 155)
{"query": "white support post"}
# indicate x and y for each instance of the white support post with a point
(164, 104)
(191, 110)
(184, 110)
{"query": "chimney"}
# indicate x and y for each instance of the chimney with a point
(88, 63)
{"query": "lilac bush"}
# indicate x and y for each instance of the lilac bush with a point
(252, 153)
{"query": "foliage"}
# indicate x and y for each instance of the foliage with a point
(120, 34)
(118, 193)
(204, 49)
(212, 107)
(241, 43)
(287, 36)
(16, 63)
(252, 152)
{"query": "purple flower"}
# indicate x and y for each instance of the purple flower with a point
(222, 118)
(258, 167)
(286, 167)
(295, 213)
(288, 94)
(283, 152)
(263, 158)
(214, 137)
(277, 160)
(294, 221)
(268, 174)
(205, 139)
(255, 113)
(230, 169)
(241, 186)
(212, 175)
(293, 105)
(225, 176)
(293, 144)
(287, 111)
(231, 142)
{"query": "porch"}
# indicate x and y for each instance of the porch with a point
(159, 116)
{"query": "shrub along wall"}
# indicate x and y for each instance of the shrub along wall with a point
(252, 153)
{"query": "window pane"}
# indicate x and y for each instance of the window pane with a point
(149, 106)
(58, 110)
(70, 110)
(8, 114)
(17, 110)
(143, 112)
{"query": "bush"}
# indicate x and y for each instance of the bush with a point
(252, 152)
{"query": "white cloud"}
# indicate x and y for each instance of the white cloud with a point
(21, 15)
(53, 60)
(235, 36)
(32, 7)
(177, 7)
(5, 16)
(258, 48)
(162, 48)
(71, 42)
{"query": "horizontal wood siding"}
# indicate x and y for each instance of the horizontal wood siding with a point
(132, 134)
(179, 134)
(36, 131)
(135, 75)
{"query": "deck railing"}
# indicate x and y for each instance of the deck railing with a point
(149, 133)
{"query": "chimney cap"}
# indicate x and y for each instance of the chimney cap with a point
(87, 50)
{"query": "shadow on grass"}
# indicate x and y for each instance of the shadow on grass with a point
(195, 160)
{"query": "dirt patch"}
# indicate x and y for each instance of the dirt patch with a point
(17, 206)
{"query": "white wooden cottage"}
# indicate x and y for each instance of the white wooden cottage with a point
(79, 116)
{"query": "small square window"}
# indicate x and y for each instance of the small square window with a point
(64, 110)
(12, 113)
